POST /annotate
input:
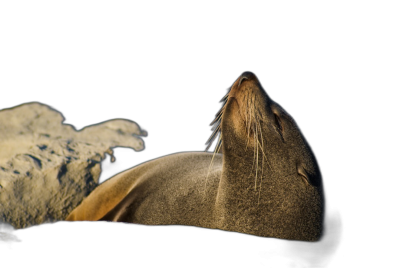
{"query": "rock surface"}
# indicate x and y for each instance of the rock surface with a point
(47, 167)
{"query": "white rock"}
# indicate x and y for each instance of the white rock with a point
(47, 167)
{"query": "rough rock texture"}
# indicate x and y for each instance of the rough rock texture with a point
(46, 167)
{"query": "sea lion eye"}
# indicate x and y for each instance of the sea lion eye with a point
(304, 178)
(278, 123)
(303, 174)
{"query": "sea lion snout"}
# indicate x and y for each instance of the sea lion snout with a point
(246, 114)
(249, 77)
(246, 76)
(246, 84)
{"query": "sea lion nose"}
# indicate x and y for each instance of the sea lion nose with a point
(246, 76)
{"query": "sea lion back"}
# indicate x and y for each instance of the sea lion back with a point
(174, 189)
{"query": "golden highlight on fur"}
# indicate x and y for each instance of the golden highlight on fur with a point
(253, 129)
(261, 179)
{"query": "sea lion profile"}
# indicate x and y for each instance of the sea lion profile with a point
(266, 182)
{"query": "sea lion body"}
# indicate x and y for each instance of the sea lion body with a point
(266, 182)
(171, 187)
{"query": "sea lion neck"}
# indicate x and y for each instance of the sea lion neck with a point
(268, 169)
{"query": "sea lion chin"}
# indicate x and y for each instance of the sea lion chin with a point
(262, 178)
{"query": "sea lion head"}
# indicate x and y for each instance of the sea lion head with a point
(270, 179)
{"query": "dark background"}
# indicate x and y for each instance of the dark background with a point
(170, 81)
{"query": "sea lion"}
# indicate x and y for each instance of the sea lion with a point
(266, 181)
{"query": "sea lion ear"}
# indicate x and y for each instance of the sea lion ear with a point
(308, 177)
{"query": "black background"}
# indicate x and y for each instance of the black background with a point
(170, 79)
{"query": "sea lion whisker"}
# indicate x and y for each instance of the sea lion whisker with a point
(254, 156)
(265, 157)
(262, 150)
(219, 144)
(248, 129)
(255, 185)
(211, 140)
(225, 98)
(221, 112)
(251, 116)
(211, 163)
(262, 163)
(216, 125)
(262, 175)
(209, 145)
(213, 136)
(216, 130)
(245, 116)
(218, 116)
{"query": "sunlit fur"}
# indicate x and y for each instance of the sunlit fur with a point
(261, 179)
(251, 116)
